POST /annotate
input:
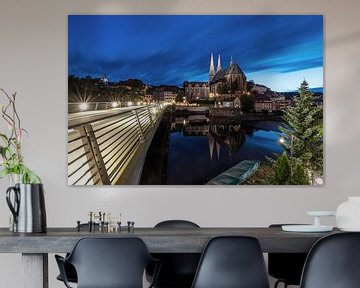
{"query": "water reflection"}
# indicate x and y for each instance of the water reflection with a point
(199, 148)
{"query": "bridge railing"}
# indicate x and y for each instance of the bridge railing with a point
(100, 151)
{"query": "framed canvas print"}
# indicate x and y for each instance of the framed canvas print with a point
(195, 99)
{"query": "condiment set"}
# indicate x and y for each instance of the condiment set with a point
(104, 222)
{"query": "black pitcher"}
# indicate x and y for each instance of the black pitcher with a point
(28, 208)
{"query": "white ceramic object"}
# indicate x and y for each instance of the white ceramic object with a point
(318, 214)
(306, 228)
(321, 213)
(348, 214)
(316, 227)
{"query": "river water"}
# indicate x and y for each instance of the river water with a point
(191, 150)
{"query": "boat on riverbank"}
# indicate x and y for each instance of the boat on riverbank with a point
(237, 174)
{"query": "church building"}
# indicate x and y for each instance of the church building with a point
(227, 82)
(230, 81)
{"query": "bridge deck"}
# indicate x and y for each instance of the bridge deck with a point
(109, 147)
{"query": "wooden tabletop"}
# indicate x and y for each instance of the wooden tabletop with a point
(158, 240)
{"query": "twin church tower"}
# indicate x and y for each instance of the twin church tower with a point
(212, 67)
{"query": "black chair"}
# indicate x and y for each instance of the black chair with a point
(286, 267)
(70, 271)
(333, 262)
(178, 269)
(232, 262)
(108, 263)
(176, 224)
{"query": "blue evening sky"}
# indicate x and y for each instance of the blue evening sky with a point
(278, 51)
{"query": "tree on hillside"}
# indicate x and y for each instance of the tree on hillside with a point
(298, 174)
(303, 136)
(287, 171)
(282, 170)
(247, 102)
(81, 89)
(179, 98)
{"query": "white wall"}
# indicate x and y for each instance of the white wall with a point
(33, 62)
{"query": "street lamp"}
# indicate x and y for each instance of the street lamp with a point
(282, 140)
(83, 106)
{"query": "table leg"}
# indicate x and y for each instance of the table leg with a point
(35, 270)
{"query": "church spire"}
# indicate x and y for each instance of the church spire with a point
(218, 68)
(232, 60)
(212, 68)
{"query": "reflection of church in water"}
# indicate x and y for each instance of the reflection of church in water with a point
(227, 82)
(231, 137)
(220, 136)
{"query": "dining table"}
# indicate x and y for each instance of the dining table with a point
(35, 247)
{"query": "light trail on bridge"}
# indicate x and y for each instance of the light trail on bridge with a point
(80, 118)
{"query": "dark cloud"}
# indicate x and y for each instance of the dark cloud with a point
(172, 49)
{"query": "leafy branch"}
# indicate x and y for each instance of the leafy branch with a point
(11, 157)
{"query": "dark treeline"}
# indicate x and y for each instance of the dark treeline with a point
(101, 90)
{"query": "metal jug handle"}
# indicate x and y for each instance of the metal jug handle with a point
(13, 208)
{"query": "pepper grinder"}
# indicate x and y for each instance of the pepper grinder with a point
(90, 221)
(130, 226)
(78, 226)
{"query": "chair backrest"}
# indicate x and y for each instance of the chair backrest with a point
(178, 267)
(110, 262)
(176, 224)
(333, 262)
(232, 262)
